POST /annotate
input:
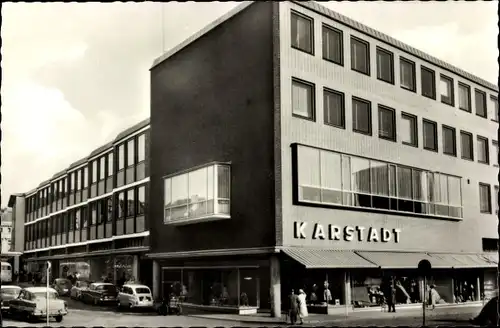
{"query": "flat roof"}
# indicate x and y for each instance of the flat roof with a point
(316, 7)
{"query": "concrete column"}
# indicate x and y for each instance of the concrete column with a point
(275, 286)
(478, 289)
(135, 267)
(346, 289)
(16, 263)
(156, 279)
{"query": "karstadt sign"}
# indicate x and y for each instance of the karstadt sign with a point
(305, 230)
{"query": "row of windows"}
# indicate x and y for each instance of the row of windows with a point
(130, 153)
(485, 198)
(302, 38)
(303, 106)
(331, 178)
(93, 221)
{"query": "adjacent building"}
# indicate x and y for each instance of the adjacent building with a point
(292, 147)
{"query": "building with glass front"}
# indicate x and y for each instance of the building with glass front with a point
(91, 218)
(292, 147)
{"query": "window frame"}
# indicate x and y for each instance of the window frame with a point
(138, 159)
(342, 104)
(382, 108)
(367, 45)
(452, 129)
(495, 195)
(487, 150)
(415, 132)
(471, 136)
(341, 35)
(311, 31)
(433, 73)
(485, 102)
(488, 186)
(370, 118)
(495, 117)
(378, 51)
(467, 87)
(436, 139)
(494, 143)
(413, 72)
(312, 86)
(452, 90)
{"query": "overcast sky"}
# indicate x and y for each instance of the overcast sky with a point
(75, 75)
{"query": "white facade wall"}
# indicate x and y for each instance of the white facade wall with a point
(418, 233)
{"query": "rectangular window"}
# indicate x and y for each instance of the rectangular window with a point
(407, 74)
(303, 99)
(430, 135)
(360, 56)
(334, 110)
(73, 182)
(110, 164)
(120, 204)
(109, 215)
(446, 90)
(467, 145)
(130, 152)
(409, 130)
(141, 200)
(141, 148)
(78, 180)
(464, 97)
(94, 209)
(85, 177)
(480, 98)
(386, 123)
(495, 152)
(494, 108)
(102, 168)
(385, 65)
(428, 79)
(483, 155)
(484, 198)
(121, 157)
(333, 45)
(449, 141)
(496, 199)
(302, 32)
(361, 116)
(130, 202)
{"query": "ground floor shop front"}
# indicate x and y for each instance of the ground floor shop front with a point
(332, 280)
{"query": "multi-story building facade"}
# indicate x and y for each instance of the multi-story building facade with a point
(292, 147)
(6, 230)
(92, 217)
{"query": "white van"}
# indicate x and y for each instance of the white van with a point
(6, 272)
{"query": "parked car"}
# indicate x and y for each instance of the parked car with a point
(488, 315)
(31, 304)
(62, 286)
(100, 293)
(76, 290)
(135, 296)
(8, 293)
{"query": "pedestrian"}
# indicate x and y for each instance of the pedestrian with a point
(293, 307)
(433, 296)
(390, 295)
(302, 306)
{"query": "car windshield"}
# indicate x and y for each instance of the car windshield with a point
(63, 282)
(108, 288)
(142, 290)
(83, 284)
(52, 295)
(10, 291)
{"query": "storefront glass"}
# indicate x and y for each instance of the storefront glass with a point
(123, 266)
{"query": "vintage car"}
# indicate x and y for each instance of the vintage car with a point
(8, 293)
(135, 296)
(31, 304)
(488, 315)
(62, 286)
(100, 293)
(76, 290)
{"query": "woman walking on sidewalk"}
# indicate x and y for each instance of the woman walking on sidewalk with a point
(302, 306)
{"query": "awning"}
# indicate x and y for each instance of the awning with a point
(327, 258)
(491, 257)
(401, 260)
(463, 261)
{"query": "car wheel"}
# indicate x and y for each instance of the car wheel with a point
(96, 302)
(59, 318)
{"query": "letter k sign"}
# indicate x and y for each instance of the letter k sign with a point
(299, 228)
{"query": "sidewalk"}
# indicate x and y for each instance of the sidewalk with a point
(372, 313)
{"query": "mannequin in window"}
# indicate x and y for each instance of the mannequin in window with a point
(327, 294)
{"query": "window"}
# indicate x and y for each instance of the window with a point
(130, 202)
(192, 195)
(109, 216)
(360, 56)
(385, 65)
(494, 107)
(102, 167)
(495, 152)
(449, 141)
(73, 182)
(386, 123)
(303, 99)
(85, 177)
(102, 210)
(120, 204)
(110, 164)
(409, 130)
(467, 146)
(334, 110)
(361, 116)
(333, 45)
(480, 98)
(121, 157)
(428, 80)
(331, 178)
(430, 135)
(484, 198)
(302, 33)
(141, 148)
(93, 213)
(446, 89)
(131, 152)
(464, 97)
(407, 74)
(141, 200)
(496, 199)
(78, 180)
(483, 155)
